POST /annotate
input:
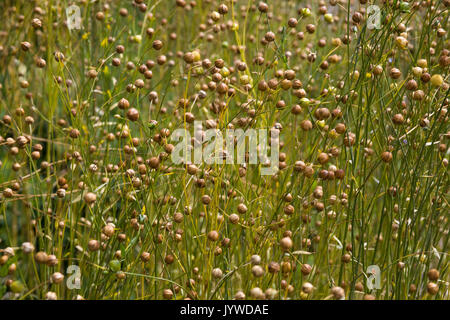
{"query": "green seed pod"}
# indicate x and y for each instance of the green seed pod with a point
(114, 265)
(17, 286)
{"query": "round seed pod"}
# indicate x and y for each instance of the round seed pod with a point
(93, 245)
(257, 271)
(263, 7)
(307, 288)
(234, 218)
(239, 295)
(90, 198)
(57, 278)
(213, 236)
(274, 267)
(133, 114)
(289, 209)
(167, 294)
(242, 208)
(433, 274)
(36, 23)
(386, 156)
(436, 80)
(123, 104)
(338, 293)
(41, 257)
(432, 288)
(286, 243)
(217, 273)
(27, 247)
(306, 269)
(52, 260)
(157, 44)
(145, 256)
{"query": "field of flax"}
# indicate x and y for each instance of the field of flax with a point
(93, 205)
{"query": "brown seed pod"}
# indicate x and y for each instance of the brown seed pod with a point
(395, 73)
(154, 162)
(433, 274)
(223, 9)
(432, 288)
(167, 294)
(234, 218)
(90, 198)
(57, 278)
(213, 236)
(292, 22)
(242, 208)
(286, 243)
(306, 269)
(74, 133)
(133, 114)
(289, 209)
(323, 158)
(25, 45)
(386, 156)
(36, 23)
(257, 271)
(92, 74)
(338, 293)
(157, 44)
(41, 257)
(123, 104)
(398, 118)
(93, 245)
(273, 267)
(145, 257)
(263, 7)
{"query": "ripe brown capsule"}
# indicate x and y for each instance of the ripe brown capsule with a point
(269, 36)
(395, 73)
(292, 22)
(323, 158)
(213, 236)
(433, 274)
(386, 156)
(145, 256)
(93, 245)
(242, 208)
(154, 162)
(289, 209)
(41, 257)
(57, 278)
(92, 74)
(263, 7)
(90, 198)
(286, 243)
(167, 294)
(306, 269)
(338, 293)
(432, 288)
(36, 23)
(123, 104)
(157, 44)
(25, 45)
(223, 9)
(133, 114)
(398, 118)
(74, 133)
